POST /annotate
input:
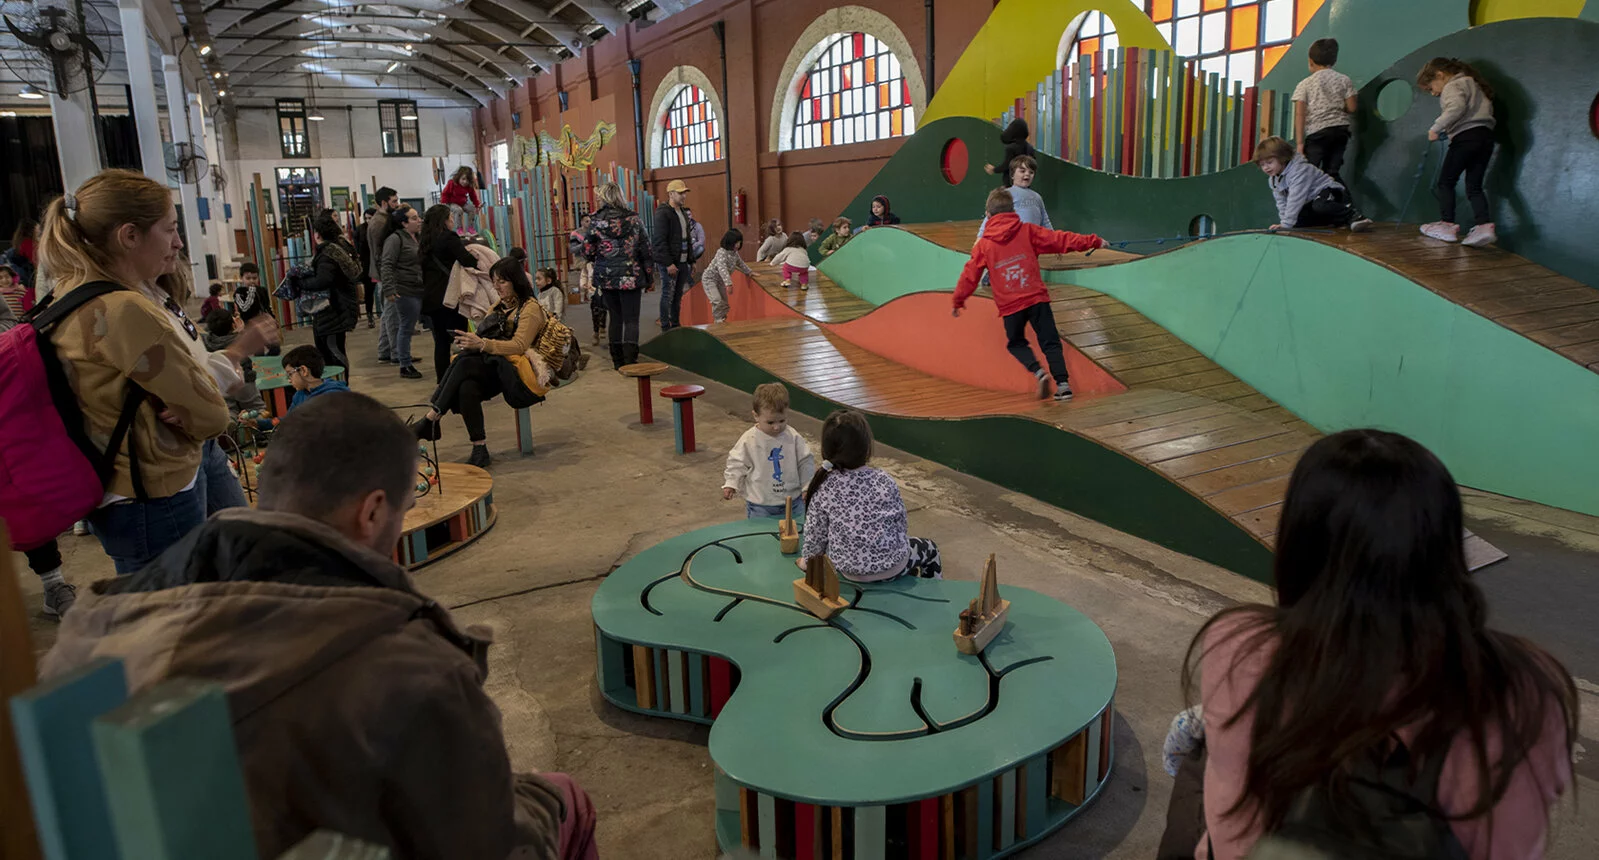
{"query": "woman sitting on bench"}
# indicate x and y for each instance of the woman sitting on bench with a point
(492, 361)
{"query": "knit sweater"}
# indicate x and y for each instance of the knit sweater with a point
(123, 336)
(832, 243)
(796, 257)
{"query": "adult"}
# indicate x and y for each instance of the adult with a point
(460, 194)
(357, 702)
(493, 361)
(400, 273)
(772, 240)
(672, 241)
(385, 201)
(23, 255)
(363, 248)
(336, 271)
(121, 227)
(441, 249)
(1377, 658)
(617, 246)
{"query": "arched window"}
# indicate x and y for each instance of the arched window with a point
(855, 92)
(1241, 40)
(691, 130)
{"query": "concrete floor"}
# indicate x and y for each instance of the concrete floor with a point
(601, 487)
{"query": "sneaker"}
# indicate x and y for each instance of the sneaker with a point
(1443, 231)
(1360, 225)
(786, 284)
(427, 430)
(80, 528)
(371, 324)
(805, 285)
(596, 341)
(1481, 235)
(1043, 385)
(409, 373)
(1063, 393)
(383, 359)
(480, 457)
(59, 598)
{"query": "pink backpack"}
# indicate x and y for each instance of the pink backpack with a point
(51, 475)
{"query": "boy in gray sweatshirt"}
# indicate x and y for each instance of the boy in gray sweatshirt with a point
(1305, 196)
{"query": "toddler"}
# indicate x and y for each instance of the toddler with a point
(771, 462)
(841, 232)
(1323, 104)
(1009, 249)
(551, 294)
(796, 262)
(815, 232)
(1466, 117)
(856, 516)
(1305, 196)
(212, 302)
(718, 277)
(222, 328)
(773, 240)
(13, 292)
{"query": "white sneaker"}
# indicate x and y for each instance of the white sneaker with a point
(1063, 393)
(80, 528)
(1360, 225)
(1043, 385)
(1481, 235)
(1443, 231)
(59, 598)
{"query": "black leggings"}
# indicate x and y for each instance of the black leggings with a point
(1325, 149)
(1469, 152)
(1329, 208)
(623, 307)
(44, 559)
(470, 380)
(371, 294)
(332, 349)
(597, 311)
(446, 322)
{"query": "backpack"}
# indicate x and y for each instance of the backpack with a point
(51, 474)
(296, 287)
(1389, 816)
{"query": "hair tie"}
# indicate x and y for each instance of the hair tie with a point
(827, 465)
(69, 201)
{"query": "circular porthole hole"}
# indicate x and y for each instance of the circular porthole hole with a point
(1395, 99)
(1593, 117)
(953, 161)
(1203, 226)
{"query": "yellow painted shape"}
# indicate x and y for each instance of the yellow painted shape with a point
(1016, 49)
(1489, 11)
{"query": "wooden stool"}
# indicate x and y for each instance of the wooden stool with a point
(683, 413)
(524, 430)
(642, 371)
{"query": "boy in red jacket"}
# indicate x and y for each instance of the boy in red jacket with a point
(1009, 250)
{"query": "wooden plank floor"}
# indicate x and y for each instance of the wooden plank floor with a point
(825, 301)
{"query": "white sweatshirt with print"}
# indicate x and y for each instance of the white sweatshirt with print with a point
(769, 470)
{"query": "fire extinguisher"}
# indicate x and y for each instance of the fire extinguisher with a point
(738, 207)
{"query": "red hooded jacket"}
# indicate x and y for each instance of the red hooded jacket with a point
(1009, 251)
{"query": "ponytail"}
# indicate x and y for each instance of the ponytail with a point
(846, 444)
(1453, 66)
(76, 241)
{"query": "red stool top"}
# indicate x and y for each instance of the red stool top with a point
(682, 392)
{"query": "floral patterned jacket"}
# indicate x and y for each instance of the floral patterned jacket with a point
(617, 245)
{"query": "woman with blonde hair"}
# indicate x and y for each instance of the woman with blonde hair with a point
(616, 243)
(119, 231)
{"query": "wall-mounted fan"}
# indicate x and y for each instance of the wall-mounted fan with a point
(63, 48)
(185, 162)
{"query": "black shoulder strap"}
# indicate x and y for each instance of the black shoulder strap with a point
(61, 305)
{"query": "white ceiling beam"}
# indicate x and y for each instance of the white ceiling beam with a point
(507, 69)
(603, 12)
(543, 57)
(476, 75)
(544, 19)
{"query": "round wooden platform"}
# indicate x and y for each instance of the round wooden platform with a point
(868, 725)
(445, 520)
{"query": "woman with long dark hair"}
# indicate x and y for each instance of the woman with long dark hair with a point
(400, 272)
(335, 269)
(493, 361)
(440, 250)
(1378, 651)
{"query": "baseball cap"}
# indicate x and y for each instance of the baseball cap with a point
(677, 185)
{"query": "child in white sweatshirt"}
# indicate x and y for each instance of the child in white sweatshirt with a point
(771, 463)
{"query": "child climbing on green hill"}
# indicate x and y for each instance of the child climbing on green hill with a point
(1466, 117)
(1323, 104)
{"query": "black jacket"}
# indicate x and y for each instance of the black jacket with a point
(328, 273)
(1015, 139)
(363, 247)
(668, 241)
(615, 244)
(443, 252)
(258, 299)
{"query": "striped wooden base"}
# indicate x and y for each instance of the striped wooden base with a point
(447, 519)
(664, 682)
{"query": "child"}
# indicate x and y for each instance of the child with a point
(1015, 139)
(13, 292)
(213, 302)
(815, 232)
(249, 298)
(1009, 249)
(551, 294)
(221, 329)
(1467, 119)
(771, 462)
(1305, 196)
(718, 277)
(773, 241)
(586, 283)
(1323, 103)
(881, 216)
(856, 516)
(1029, 204)
(796, 262)
(841, 231)
(304, 366)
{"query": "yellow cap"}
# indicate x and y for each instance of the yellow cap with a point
(677, 185)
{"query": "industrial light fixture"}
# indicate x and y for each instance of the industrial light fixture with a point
(392, 66)
(222, 94)
(408, 46)
(4, 113)
(28, 92)
(216, 75)
(205, 50)
(314, 114)
(410, 114)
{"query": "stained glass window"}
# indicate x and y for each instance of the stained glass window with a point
(855, 93)
(691, 131)
(1241, 40)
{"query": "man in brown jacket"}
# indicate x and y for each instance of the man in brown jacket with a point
(357, 702)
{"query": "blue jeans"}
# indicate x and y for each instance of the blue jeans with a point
(219, 487)
(385, 322)
(754, 511)
(407, 310)
(672, 289)
(133, 533)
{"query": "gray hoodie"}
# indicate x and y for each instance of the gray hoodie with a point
(1463, 106)
(1295, 186)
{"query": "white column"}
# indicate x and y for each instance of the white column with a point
(77, 145)
(179, 128)
(202, 244)
(141, 82)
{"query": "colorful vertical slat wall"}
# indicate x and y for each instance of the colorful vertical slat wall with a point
(538, 212)
(1144, 112)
